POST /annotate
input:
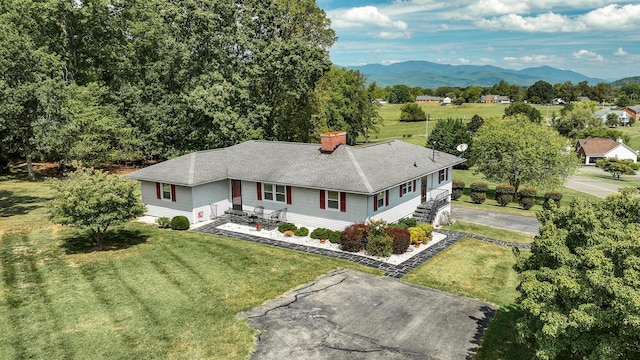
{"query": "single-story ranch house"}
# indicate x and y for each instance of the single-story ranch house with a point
(329, 185)
(592, 150)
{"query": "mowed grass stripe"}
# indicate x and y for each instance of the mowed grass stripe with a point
(28, 298)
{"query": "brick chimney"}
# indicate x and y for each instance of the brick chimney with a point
(329, 141)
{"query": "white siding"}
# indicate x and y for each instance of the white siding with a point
(621, 153)
(183, 201)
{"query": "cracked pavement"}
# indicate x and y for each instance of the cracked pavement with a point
(349, 314)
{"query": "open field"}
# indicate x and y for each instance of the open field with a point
(394, 129)
(601, 175)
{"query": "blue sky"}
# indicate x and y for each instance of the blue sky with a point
(593, 37)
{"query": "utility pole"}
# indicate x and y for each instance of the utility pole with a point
(427, 126)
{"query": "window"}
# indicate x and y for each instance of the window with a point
(442, 176)
(381, 199)
(333, 200)
(166, 191)
(275, 192)
(406, 188)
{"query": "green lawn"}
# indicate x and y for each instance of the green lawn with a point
(168, 294)
(634, 133)
(482, 271)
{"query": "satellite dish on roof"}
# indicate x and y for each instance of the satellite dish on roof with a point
(462, 147)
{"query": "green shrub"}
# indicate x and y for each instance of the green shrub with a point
(527, 197)
(549, 196)
(634, 165)
(180, 223)
(319, 233)
(301, 231)
(478, 192)
(478, 197)
(380, 245)
(287, 226)
(334, 236)
(163, 222)
(457, 187)
(401, 239)
(406, 223)
(504, 194)
(352, 239)
(479, 186)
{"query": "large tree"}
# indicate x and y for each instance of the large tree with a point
(344, 104)
(94, 200)
(525, 109)
(412, 112)
(516, 151)
(541, 92)
(580, 117)
(579, 289)
(448, 134)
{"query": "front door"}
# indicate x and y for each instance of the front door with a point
(236, 194)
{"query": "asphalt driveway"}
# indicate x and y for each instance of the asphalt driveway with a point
(347, 314)
(525, 224)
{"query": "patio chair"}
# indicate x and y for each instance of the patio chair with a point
(258, 214)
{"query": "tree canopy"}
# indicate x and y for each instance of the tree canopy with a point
(516, 151)
(448, 134)
(525, 109)
(164, 77)
(94, 200)
(412, 112)
(579, 289)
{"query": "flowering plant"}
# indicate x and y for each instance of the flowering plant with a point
(258, 227)
(378, 226)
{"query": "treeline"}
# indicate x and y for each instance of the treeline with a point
(130, 80)
(541, 92)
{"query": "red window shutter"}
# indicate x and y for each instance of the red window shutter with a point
(414, 186)
(386, 198)
(323, 201)
(288, 195)
(259, 189)
(173, 193)
(401, 190)
(446, 172)
(375, 202)
(343, 202)
(439, 177)
(158, 191)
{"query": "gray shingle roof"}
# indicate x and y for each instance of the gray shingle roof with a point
(367, 170)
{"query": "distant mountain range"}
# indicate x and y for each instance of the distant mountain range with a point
(428, 74)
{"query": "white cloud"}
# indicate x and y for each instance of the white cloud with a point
(588, 56)
(489, 49)
(608, 18)
(394, 35)
(499, 7)
(620, 52)
(613, 17)
(363, 16)
(463, 61)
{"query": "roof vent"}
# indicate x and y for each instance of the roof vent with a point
(329, 141)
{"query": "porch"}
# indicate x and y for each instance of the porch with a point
(268, 220)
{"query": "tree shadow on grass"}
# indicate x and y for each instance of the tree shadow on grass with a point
(82, 242)
(499, 340)
(12, 204)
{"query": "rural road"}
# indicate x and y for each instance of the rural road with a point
(592, 186)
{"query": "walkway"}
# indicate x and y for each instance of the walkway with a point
(394, 271)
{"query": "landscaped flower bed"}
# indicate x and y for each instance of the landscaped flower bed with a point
(394, 259)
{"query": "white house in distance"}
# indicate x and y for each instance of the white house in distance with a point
(592, 150)
(623, 116)
(329, 185)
